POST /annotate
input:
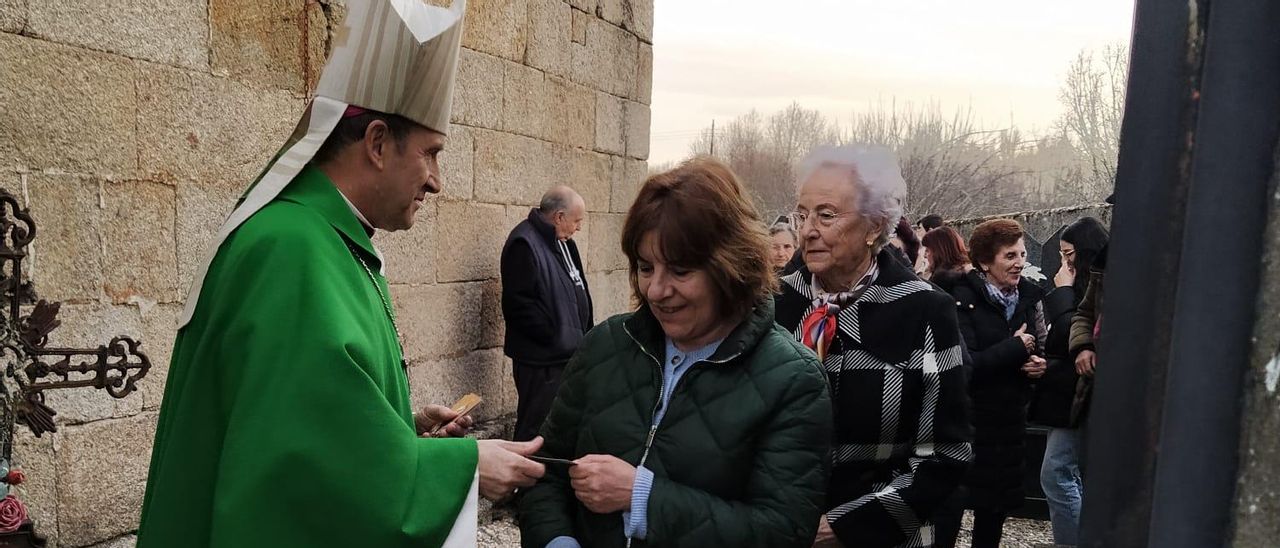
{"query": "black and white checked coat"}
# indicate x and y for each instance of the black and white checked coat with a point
(902, 435)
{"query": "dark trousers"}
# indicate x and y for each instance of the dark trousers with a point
(988, 525)
(536, 386)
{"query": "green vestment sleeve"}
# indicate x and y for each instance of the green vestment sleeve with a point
(286, 419)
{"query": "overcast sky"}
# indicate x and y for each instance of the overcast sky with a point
(716, 59)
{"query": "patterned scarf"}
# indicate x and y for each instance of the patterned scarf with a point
(1008, 299)
(819, 327)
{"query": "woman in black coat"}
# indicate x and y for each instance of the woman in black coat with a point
(1003, 327)
(1056, 403)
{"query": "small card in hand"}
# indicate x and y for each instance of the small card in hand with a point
(552, 460)
(464, 406)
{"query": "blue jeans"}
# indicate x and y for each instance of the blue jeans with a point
(1063, 486)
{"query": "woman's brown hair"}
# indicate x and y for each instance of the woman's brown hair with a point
(946, 249)
(989, 237)
(702, 220)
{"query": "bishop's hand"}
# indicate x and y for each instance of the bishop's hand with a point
(503, 467)
(454, 426)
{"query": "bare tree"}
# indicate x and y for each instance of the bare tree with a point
(952, 167)
(1092, 98)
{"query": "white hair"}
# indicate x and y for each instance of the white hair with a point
(875, 173)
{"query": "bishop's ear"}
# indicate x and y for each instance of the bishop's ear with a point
(377, 138)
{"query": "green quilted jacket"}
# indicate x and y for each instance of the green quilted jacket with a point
(741, 455)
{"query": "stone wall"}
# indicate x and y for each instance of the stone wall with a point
(129, 128)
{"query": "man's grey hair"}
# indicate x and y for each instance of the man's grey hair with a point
(557, 199)
(875, 173)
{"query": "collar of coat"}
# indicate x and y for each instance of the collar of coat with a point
(1028, 292)
(893, 282)
(647, 332)
(314, 190)
(543, 228)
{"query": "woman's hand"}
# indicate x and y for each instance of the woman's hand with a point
(1086, 362)
(1028, 340)
(1035, 367)
(826, 537)
(603, 483)
(1065, 276)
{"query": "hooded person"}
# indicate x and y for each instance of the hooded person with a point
(286, 419)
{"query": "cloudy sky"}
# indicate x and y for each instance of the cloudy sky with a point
(716, 59)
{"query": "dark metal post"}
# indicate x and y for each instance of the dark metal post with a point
(1141, 279)
(1235, 138)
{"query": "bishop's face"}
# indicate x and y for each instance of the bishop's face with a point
(410, 172)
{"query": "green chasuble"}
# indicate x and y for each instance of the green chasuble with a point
(286, 418)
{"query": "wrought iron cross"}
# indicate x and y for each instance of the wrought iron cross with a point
(31, 367)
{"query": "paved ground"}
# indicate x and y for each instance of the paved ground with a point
(1018, 533)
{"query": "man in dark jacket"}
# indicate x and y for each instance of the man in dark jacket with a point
(545, 302)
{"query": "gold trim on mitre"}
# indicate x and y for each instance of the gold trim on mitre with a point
(393, 56)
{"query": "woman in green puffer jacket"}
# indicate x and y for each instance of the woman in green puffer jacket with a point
(694, 421)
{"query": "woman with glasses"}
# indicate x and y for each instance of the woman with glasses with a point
(1060, 395)
(890, 346)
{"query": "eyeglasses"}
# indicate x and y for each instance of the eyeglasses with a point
(823, 218)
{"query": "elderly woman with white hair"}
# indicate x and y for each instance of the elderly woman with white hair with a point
(891, 349)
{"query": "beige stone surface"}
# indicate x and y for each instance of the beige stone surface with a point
(477, 97)
(90, 326)
(638, 18)
(438, 320)
(139, 254)
(159, 329)
(66, 262)
(607, 61)
(470, 241)
(173, 32)
(66, 109)
(644, 75)
(637, 116)
(590, 174)
(411, 254)
(613, 11)
(588, 6)
(511, 169)
(610, 124)
(126, 541)
(13, 15)
(524, 101)
(550, 26)
(271, 44)
(102, 471)
(35, 457)
(610, 294)
(628, 176)
(458, 164)
(579, 29)
(572, 113)
(497, 27)
(491, 314)
(202, 208)
(483, 372)
(201, 127)
(606, 242)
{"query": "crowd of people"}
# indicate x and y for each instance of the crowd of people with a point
(840, 378)
(684, 418)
